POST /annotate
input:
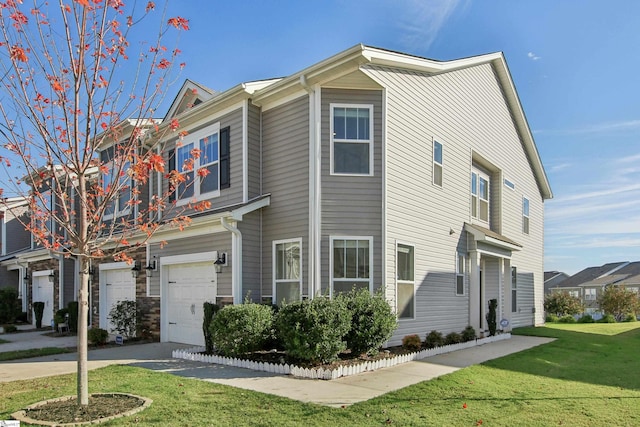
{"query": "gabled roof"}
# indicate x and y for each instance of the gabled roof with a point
(548, 275)
(589, 274)
(360, 55)
(189, 95)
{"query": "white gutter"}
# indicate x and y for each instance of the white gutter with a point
(236, 260)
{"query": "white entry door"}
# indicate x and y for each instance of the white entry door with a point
(189, 285)
(119, 285)
(43, 291)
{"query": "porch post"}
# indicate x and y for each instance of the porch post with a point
(474, 291)
(506, 274)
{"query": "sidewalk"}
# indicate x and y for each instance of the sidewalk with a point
(337, 393)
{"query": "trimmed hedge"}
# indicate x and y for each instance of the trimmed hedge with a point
(372, 321)
(239, 329)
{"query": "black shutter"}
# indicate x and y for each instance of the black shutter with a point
(172, 167)
(225, 159)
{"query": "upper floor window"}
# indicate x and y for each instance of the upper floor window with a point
(480, 195)
(437, 163)
(42, 217)
(405, 281)
(525, 215)
(351, 139)
(287, 270)
(351, 263)
(115, 172)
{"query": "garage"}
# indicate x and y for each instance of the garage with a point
(117, 284)
(43, 291)
(187, 285)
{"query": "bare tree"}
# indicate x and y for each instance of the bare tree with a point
(77, 81)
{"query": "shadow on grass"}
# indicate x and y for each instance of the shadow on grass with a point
(580, 356)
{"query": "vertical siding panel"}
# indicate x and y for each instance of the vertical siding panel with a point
(251, 256)
(254, 153)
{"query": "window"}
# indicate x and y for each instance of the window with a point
(525, 215)
(574, 294)
(116, 172)
(351, 139)
(480, 196)
(405, 282)
(351, 263)
(460, 269)
(437, 163)
(633, 289)
(509, 184)
(514, 289)
(42, 217)
(204, 162)
(287, 270)
(590, 294)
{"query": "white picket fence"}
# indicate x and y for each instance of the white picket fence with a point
(197, 354)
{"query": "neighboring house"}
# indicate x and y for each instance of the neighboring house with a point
(15, 239)
(552, 279)
(371, 169)
(589, 283)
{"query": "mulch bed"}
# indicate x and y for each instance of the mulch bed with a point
(100, 406)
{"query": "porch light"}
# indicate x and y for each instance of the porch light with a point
(52, 277)
(220, 262)
(26, 277)
(135, 270)
(151, 267)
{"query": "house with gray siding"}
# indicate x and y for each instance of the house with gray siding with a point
(371, 169)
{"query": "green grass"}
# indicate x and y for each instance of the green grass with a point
(3, 341)
(34, 352)
(587, 377)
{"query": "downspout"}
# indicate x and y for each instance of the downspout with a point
(236, 260)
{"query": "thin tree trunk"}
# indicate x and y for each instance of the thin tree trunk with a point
(83, 297)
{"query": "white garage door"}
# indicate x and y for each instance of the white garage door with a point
(119, 285)
(189, 285)
(43, 291)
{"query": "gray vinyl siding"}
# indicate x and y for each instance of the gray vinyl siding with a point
(68, 280)
(285, 168)
(228, 196)
(524, 314)
(251, 256)
(18, 238)
(465, 111)
(351, 205)
(254, 152)
(220, 242)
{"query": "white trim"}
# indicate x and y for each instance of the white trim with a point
(332, 140)
(397, 282)
(332, 238)
(459, 273)
(435, 163)
(245, 152)
(103, 314)
(274, 280)
(385, 191)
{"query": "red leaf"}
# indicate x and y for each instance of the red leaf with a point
(174, 124)
(464, 406)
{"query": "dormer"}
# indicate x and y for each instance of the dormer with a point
(190, 95)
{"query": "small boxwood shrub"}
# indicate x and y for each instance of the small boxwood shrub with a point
(469, 334)
(242, 328)
(453, 338)
(38, 309)
(434, 339)
(411, 342)
(372, 321)
(587, 318)
(314, 330)
(630, 318)
(607, 318)
(9, 329)
(567, 318)
(60, 317)
(97, 336)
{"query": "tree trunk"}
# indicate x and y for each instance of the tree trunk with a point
(83, 295)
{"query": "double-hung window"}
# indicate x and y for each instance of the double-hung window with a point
(514, 289)
(590, 294)
(437, 163)
(525, 215)
(480, 195)
(351, 263)
(351, 139)
(460, 270)
(287, 270)
(116, 173)
(405, 281)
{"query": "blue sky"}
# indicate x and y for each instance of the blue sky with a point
(575, 66)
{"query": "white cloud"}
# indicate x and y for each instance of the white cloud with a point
(559, 167)
(624, 125)
(606, 192)
(629, 159)
(423, 20)
(533, 56)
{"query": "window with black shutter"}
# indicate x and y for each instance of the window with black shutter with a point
(225, 160)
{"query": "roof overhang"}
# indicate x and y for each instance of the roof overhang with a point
(491, 238)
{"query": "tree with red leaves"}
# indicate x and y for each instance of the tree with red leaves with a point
(72, 86)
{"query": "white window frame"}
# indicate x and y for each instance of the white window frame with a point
(437, 164)
(514, 289)
(406, 282)
(526, 223)
(509, 184)
(589, 296)
(475, 194)
(333, 140)
(195, 138)
(46, 219)
(332, 239)
(118, 211)
(273, 265)
(461, 264)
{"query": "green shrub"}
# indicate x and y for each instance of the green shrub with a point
(38, 309)
(210, 309)
(491, 316)
(97, 336)
(562, 303)
(73, 316)
(9, 329)
(60, 317)
(453, 338)
(630, 318)
(314, 330)
(607, 318)
(587, 318)
(434, 339)
(411, 342)
(239, 329)
(469, 334)
(567, 318)
(551, 318)
(372, 321)
(9, 306)
(126, 318)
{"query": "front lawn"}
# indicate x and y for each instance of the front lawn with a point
(584, 378)
(32, 352)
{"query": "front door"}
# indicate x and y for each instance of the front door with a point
(43, 291)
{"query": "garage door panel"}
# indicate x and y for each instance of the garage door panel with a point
(119, 286)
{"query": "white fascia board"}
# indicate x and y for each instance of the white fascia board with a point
(396, 59)
(37, 255)
(237, 214)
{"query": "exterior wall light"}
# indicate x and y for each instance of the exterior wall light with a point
(220, 262)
